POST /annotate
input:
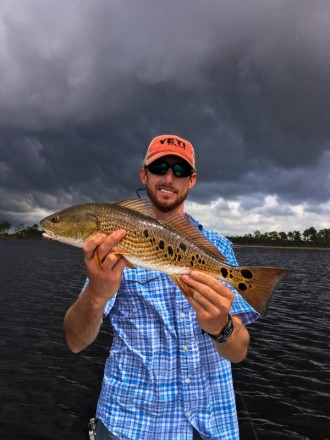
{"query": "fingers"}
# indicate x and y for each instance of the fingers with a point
(91, 245)
(109, 243)
(207, 285)
(99, 246)
(210, 299)
(208, 292)
(114, 262)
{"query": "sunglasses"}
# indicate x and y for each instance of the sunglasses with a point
(181, 169)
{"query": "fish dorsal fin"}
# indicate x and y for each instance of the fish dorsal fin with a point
(143, 206)
(177, 222)
(186, 228)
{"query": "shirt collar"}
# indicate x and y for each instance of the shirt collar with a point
(194, 221)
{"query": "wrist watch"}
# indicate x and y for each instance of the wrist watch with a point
(226, 332)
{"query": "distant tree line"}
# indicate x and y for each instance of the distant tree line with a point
(21, 231)
(310, 237)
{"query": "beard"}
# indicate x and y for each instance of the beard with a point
(164, 206)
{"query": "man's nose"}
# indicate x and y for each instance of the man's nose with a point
(169, 175)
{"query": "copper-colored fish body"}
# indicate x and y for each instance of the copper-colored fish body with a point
(169, 244)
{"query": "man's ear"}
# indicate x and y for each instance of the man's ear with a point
(192, 180)
(143, 176)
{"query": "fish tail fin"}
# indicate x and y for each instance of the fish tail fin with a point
(257, 285)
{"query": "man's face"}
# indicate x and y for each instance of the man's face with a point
(167, 192)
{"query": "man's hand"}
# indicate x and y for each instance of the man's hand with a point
(104, 267)
(210, 299)
(212, 302)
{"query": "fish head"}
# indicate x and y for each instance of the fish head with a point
(72, 225)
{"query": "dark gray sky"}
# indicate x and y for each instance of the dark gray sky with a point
(85, 85)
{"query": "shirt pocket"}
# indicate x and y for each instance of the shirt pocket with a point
(147, 291)
(135, 315)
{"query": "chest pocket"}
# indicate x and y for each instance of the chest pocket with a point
(139, 293)
(147, 297)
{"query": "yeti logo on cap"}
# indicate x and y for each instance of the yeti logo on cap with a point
(173, 141)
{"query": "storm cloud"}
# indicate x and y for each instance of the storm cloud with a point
(86, 85)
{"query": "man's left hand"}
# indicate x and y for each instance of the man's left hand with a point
(211, 300)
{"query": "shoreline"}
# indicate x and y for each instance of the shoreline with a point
(311, 248)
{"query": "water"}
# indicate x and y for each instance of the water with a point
(284, 384)
(48, 393)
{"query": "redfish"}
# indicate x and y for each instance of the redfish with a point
(169, 244)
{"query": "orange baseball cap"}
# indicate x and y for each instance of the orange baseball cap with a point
(169, 144)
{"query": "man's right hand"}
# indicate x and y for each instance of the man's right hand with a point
(104, 267)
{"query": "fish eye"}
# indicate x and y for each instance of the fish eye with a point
(54, 219)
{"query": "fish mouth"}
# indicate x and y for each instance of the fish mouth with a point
(49, 235)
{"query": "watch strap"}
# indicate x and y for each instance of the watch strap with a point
(226, 332)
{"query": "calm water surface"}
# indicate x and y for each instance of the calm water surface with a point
(48, 393)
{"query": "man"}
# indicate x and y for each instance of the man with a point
(168, 374)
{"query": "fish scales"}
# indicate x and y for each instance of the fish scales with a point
(149, 241)
(157, 244)
(167, 244)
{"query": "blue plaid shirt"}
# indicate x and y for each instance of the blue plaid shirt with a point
(163, 376)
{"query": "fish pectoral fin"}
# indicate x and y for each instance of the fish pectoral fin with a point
(119, 252)
(130, 265)
(97, 260)
(182, 286)
(123, 253)
(98, 263)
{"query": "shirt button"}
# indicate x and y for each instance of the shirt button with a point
(185, 347)
(182, 315)
(134, 310)
(188, 413)
(187, 380)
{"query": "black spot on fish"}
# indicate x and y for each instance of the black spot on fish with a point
(224, 272)
(193, 257)
(200, 261)
(242, 286)
(146, 233)
(179, 258)
(203, 261)
(247, 274)
(183, 247)
(192, 263)
(161, 244)
(170, 250)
